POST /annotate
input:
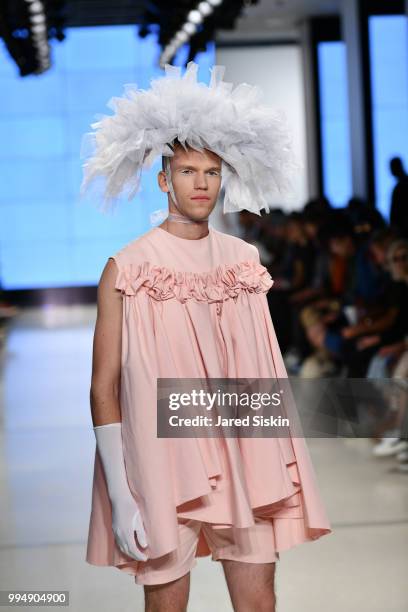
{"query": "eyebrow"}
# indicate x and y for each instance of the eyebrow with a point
(187, 167)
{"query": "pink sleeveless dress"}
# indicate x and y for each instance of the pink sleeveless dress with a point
(198, 309)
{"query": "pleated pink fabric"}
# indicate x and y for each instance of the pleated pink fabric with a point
(197, 309)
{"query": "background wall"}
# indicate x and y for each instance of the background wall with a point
(277, 70)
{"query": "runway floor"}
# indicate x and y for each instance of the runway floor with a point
(47, 446)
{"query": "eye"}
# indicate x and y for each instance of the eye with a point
(185, 171)
(214, 172)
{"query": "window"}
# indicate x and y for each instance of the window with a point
(334, 122)
(388, 36)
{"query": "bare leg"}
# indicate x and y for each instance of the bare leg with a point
(251, 585)
(168, 597)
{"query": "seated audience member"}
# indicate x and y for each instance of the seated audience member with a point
(365, 218)
(391, 339)
(355, 312)
(294, 272)
(394, 428)
(297, 266)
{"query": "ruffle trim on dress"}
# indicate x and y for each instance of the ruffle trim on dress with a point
(222, 283)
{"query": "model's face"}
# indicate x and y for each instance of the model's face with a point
(196, 178)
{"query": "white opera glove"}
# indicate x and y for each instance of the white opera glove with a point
(126, 517)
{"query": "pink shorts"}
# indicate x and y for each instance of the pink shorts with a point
(249, 545)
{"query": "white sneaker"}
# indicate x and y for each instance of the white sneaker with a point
(403, 467)
(403, 456)
(389, 446)
(292, 359)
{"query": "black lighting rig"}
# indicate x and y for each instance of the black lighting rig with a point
(26, 27)
(191, 22)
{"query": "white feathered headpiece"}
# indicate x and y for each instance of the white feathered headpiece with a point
(252, 139)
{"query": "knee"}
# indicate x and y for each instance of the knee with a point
(267, 605)
(168, 597)
(261, 603)
(263, 599)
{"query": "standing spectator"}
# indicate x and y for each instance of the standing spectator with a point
(399, 199)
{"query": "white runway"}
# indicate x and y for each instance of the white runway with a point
(47, 446)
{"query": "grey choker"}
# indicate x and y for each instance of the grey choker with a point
(183, 219)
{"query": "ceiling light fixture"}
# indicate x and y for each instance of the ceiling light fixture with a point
(194, 18)
(38, 32)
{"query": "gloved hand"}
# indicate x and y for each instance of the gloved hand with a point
(126, 517)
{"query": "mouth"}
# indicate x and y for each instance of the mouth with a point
(204, 198)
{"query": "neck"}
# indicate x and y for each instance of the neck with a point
(177, 218)
(191, 231)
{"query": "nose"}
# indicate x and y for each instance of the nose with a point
(200, 181)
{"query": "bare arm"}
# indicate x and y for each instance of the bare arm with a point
(376, 326)
(107, 345)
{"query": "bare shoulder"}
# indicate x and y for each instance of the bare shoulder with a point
(109, 274)
(131, 252)
(107, 294)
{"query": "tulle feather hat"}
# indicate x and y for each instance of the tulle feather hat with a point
(253, 140)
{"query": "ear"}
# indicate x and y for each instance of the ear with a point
(162, 181)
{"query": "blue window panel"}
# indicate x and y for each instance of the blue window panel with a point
(102, 48)
(76, 125)
(384, 89)
(389, 77)
(58, 52)
(28, 179)
(20, 225)
(91, 92)
(89, 222)
(32, 95)
(91, 255)
(7, 68)
(337, 173)
(148, 52)
(33, 137)
(142, 78)
(74, 176)
(334, 122)
(35, 265)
